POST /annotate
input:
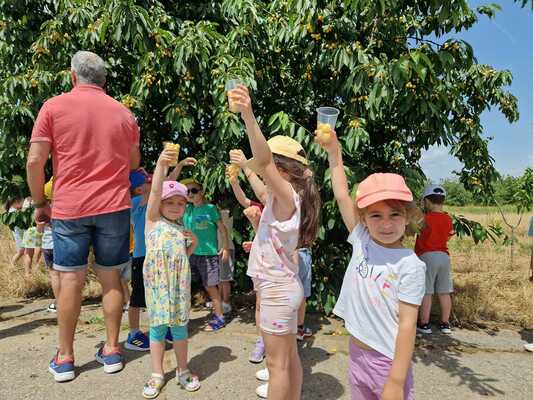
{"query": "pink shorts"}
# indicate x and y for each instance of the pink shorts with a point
(368, 371)
(279, 303)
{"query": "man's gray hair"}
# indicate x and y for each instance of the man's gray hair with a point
(89, 68)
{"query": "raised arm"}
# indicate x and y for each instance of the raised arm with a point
(259, 188)
(338, 180)
(186, 162)
(280, 188)
(154, 201)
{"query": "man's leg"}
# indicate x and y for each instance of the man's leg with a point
(68, 309)
(112, 299)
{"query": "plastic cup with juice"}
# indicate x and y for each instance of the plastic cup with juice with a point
(326, 121)
(230, 85)
(232, 170)
(172, 146)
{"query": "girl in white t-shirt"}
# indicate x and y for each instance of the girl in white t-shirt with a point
(384, 283)
(289, 221)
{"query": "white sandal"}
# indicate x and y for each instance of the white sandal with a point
(187, 380)
(153, 386)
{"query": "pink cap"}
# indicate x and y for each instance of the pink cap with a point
(173, 188)
(378, 187)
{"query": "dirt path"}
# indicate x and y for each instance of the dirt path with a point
(467, 365)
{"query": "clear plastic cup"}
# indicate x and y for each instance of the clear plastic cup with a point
(230, 85)
(327, 115)
(172, 146)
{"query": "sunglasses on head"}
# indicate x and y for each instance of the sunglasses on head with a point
(193, 191)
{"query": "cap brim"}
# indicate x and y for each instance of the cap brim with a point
(386, 195)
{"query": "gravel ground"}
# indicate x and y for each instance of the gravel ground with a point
(466, 365)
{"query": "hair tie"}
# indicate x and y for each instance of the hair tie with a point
(308, 173)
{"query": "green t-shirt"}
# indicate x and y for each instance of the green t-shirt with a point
(202, 221)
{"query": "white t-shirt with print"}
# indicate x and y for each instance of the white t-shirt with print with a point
(376, 280)
(48, 242)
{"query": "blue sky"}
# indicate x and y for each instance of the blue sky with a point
(504, 43)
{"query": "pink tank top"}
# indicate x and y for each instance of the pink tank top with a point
(272, 257)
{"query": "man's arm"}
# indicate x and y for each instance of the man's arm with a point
(37, 157)
(135, 157)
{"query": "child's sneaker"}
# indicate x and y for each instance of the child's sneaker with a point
(168, 337)
(62, 370)
(303, 332)
(258, 353)
(51, 308)
(215, 324)
(424, 328)
(137, 342)
(112, 361)
(445, 328)
(528, 347)
(262, 391)
(262, 375)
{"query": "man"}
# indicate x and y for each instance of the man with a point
(94, 141)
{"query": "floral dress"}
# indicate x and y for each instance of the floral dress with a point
(167, 275)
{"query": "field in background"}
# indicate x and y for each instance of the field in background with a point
(488, 288)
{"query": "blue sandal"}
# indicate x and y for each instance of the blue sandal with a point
(215, 324)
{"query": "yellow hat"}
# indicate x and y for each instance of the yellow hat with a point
(190, 181)
(48, 188)
(283, 146)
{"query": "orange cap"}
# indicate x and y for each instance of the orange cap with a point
(378, 187)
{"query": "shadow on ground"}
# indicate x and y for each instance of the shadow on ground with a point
(445, 352)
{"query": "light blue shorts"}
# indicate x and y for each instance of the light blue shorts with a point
(158, 333)
(304, 270)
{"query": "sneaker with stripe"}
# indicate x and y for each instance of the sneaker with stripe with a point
(62, 370)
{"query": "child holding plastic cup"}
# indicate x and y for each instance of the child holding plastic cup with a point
(384, 283)
(289, 221)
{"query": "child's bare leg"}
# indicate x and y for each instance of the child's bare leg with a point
(446, 306)
(16, 256)
(125, 291)
(225, 291)
(180, 348)
(157, 353)
(28, 260)
(425, 309)
(301, 313)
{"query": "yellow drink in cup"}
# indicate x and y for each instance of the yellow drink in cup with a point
(232, 171)
(326, 121)
(172, 146)
(230, 85)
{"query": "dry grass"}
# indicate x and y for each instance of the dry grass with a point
(14, 284)
(487, 287)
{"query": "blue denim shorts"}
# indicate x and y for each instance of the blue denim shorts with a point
(304, 270)
(108, 234)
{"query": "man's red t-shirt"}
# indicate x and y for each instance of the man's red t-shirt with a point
(92, 136)
(438, 227)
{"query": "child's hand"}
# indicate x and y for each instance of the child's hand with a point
(191, 237)
(253, 213)
(392, 391)
(327, 138)
(224, 255)
(247, 246)
(167, 157)
(188, 162)
(237, 157)
(241, 100)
